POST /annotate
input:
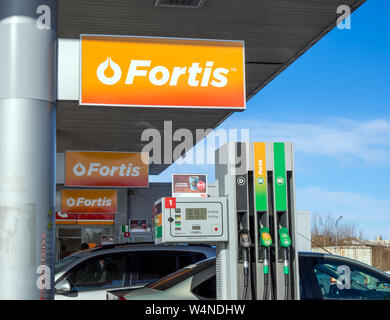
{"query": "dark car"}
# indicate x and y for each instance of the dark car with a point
(320, 275)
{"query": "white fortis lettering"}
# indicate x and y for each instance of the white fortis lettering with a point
(260, 167)
(124, 170)
(160, 75)
(81, 201)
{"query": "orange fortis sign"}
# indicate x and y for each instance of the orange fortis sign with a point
(106, 169)
(93, 201)
(163, 72)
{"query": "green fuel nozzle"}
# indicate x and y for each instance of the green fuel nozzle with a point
(285, 242)
(266, 242)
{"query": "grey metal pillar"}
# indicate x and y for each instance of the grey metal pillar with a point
(27, 146)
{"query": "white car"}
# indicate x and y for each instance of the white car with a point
(88, 274)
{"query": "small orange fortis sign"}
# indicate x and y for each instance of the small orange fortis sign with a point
(88, 201)
(106, 169)
(162, 72)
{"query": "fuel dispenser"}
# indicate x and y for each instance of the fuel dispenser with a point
(258, 180)
(251, 221)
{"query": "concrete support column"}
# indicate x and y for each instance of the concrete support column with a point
(27, 147)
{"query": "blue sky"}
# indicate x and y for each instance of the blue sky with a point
(334, 105)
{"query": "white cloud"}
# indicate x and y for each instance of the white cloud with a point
(347, 140)
(372, 214)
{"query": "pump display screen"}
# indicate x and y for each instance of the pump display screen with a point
(196, 214)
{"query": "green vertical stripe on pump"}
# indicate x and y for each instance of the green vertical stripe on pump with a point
(280, 177)
(260, 176)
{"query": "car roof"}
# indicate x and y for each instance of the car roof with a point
(151, 246)
(146, 246)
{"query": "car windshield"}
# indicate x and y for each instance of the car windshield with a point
(60, 265)
(181, 275)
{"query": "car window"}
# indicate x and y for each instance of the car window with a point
(60, 265)
(99, 272)
(155, 265)
(207, 289)
(343, 281)
(187, 258)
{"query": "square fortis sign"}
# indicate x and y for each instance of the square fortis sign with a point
(88, 201)
(106, 169)
(162, 72)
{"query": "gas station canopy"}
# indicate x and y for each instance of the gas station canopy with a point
(276, 33)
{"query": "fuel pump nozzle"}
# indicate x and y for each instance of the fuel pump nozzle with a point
(265, 242)
(245, 243)
(285, 243)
